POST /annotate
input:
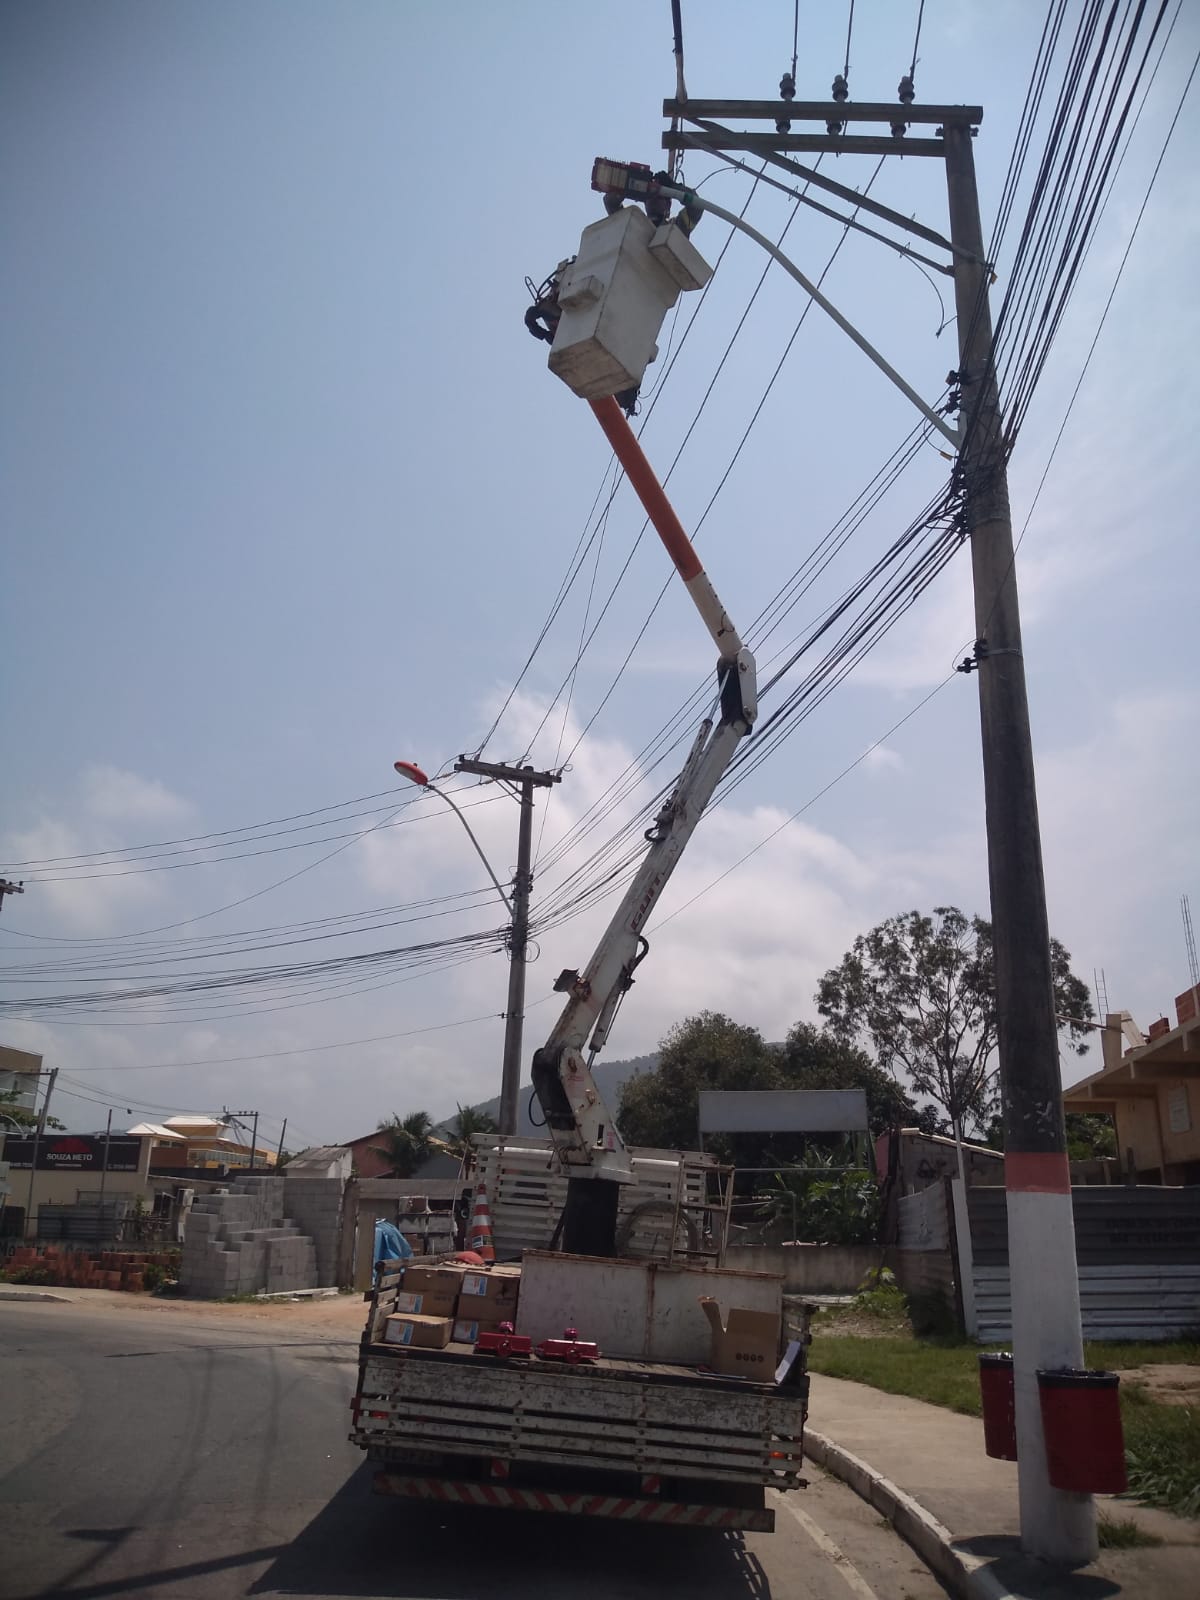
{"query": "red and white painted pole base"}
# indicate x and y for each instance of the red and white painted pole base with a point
(1057, 1524)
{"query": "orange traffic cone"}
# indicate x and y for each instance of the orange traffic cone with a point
(479, 1238)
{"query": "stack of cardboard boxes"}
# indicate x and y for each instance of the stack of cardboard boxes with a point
(437, 1304)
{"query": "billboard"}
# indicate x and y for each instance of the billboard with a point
(72, 1152)
(783, 1111)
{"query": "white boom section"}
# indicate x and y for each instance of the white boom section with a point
(585, 1137)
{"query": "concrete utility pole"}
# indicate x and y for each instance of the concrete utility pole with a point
(104, 1168)
(1055, 1525)
(8, 887)
(526, 780)
(1043, 1273)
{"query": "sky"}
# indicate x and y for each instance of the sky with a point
(289, 493)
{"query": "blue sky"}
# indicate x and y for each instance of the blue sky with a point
(288, 493)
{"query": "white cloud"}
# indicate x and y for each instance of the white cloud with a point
(881, 759)
(93, 899)
(85, 897)
(116, 796)
(1119, 830)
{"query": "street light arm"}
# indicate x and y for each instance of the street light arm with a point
(441, 793)
(831, 310)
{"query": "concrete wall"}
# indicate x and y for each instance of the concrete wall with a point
(1144, 1126)
(808, 1268)
(242, 1243)
(316, 1205)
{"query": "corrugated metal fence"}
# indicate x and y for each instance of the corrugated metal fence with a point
(923, 1260)
(1139, 1262)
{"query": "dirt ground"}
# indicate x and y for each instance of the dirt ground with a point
(1170, 1383)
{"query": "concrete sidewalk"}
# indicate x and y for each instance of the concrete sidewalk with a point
(924, 1469)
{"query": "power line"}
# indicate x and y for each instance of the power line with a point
(199, 838)
(807, 806)
(257, 894)
(125, 869)
(304, 1050)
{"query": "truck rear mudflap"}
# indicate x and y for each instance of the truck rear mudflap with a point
(574, 1503)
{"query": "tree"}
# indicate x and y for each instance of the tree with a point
(825, 1202)
(1090, 1134)
(406, 1142)
(709, 1051)
(921, 989)
(470, 1120)
(11, 1110)
(815, 1058)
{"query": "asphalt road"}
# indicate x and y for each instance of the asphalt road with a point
(198, 1455)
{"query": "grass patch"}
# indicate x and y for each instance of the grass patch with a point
(875, 1311)
(942, 1373)
(1124, 1535)
(1162, 1442)
(1162, 1450)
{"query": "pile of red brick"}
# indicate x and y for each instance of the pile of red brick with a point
(105, 1269)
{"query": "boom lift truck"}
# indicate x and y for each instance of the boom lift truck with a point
(655, 1439)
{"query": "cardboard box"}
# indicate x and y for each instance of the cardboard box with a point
(487, 1295)
(468, 1329)
(443, 1280)
(746, 1345)
(430, 1304)
(421, 1333)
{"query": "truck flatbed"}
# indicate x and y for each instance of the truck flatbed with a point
(627, 1438)
(657, 1372)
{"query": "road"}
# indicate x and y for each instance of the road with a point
(202, 1455)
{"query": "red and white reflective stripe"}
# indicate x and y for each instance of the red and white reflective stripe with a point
(1037, 1172)
(464, 1492)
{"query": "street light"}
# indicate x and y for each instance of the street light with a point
(410, 770)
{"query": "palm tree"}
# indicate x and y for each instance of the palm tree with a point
(406, 1142)
(470, 1120)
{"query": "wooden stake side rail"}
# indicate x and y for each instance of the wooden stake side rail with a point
(619, 1417)
(526, 1193)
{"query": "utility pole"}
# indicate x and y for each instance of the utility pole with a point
(525, 780)
(8, 887)
(1043, 1273)
(233, 1117)
(104, 1167)
(37, 1139)
(282, 1137)
(1055, 1525)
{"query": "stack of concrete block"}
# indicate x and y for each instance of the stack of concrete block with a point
(316, 1204)
(241, 1243)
